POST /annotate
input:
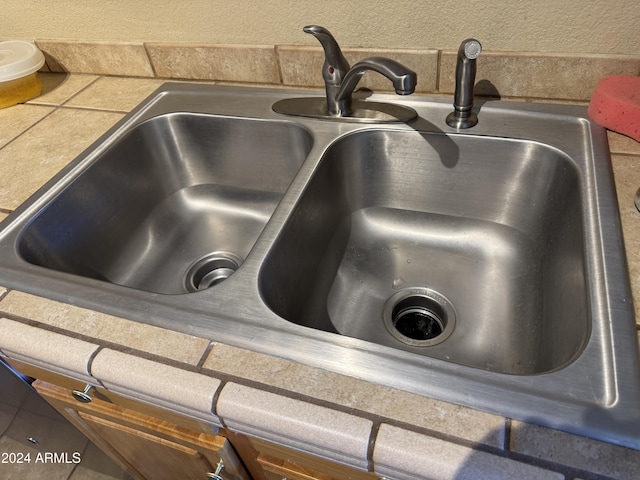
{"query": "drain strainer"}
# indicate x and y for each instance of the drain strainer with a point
(419, 317)
(211, 269)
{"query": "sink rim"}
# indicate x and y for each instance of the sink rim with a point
(540, 399)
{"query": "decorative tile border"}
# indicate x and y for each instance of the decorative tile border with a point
(105, 58)
(507, 74)
(605, 459)
(535, 75)
(227, 63)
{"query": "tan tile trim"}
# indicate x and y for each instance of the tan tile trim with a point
(528, 75)
(536, 75)
(105, 58)
(296, 424)
(228, 63)
(574, 451)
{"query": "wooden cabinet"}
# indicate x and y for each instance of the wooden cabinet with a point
(152, 443)
(280, 462)
(277, 469)
(147, 447)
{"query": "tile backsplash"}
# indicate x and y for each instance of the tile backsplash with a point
(504, 74)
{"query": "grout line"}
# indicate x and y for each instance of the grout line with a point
(92, 109)
(90, 363)
(373, 436)
(28, 129)
(214, 402)
(80, 91)
(205, 355)
(276, 49)
(54, 109)
(3, 295)
(150, 60)
(506, 446)
(438, 70)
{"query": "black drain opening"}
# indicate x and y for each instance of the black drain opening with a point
(419, 317)
(211, 270)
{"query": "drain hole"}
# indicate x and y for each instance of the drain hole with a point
(417, 322)
(419, 317)
(211, 270)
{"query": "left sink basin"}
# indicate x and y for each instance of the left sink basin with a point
(173, 205)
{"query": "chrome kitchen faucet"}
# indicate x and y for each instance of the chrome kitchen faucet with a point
(340, 81)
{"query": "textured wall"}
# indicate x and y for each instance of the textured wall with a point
(594, 26)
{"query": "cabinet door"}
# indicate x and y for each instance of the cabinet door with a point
(277, 469)
(148, 447)
(152, 456)
(280, 462)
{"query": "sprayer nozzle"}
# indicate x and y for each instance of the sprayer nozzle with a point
(472, 49)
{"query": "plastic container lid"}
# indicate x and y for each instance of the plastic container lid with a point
(19, 59)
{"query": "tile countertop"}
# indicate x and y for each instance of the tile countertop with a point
(351, 421)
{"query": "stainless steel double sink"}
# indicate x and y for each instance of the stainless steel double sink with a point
(483, 267)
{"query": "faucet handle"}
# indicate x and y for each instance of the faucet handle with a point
(335, 65)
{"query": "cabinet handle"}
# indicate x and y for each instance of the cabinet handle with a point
(83, 396)
(216, 475)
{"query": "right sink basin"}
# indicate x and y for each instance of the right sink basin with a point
(454, 249)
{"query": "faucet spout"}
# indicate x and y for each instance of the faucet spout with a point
(462, 115)
(404, 80)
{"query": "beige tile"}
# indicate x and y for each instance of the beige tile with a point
(65, 355)
(146, 338)
(30, 160)
(189, 393)
(302, 66)
(57, 88)
(318, 430)
(406, 455)
(622, 144)
(15, 120)
(228, 63)
(349, 392)
(115, 93)
(626, 171)
(538, 75)
(573, 451)
(108, 58)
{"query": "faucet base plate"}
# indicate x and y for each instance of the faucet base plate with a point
(361, 111)
(455, 120)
